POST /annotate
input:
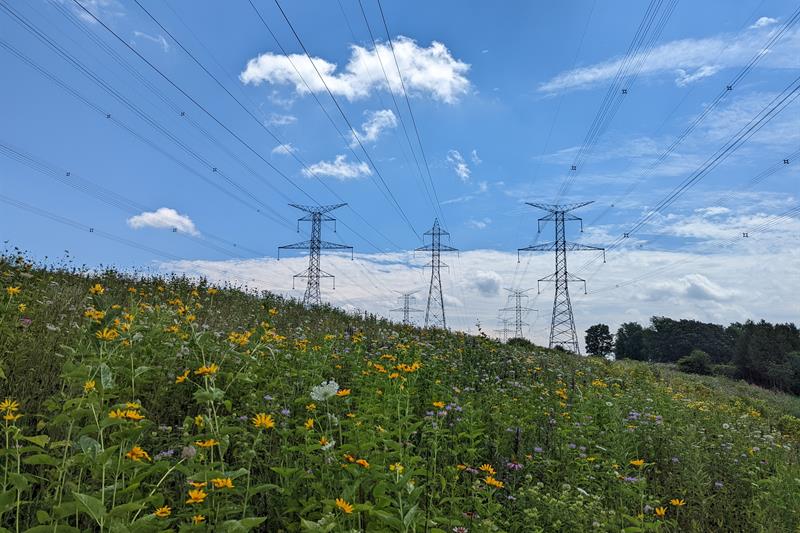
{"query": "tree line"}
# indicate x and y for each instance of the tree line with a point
(759, 352)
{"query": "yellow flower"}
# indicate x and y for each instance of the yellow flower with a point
(264, 421)
(363, 462)
(273, 312)
(492, 482)
(309, 423)
(133, 405)
(439, 405)
(107, 334)
(207, 443)
(222, 483)
(396, 467)
(488, 469)
(117, 413)
(212, 291)
(132, 290)
(182, 377)
(97, 289)
(9, 405)
(137, 454)
(344, 506)
(13, 291)
(311, 407)
(11, 417)
(22, 308)
(661, 512)
(162, 512)
(196, 496)
(638, 463)
(198, 484)
(461, 467)
(134, 415)
(677, 502)
(198, 519)
(323, 441)
(199, 422)
(207, 370)
(343, 392)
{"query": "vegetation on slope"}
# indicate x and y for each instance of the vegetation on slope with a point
(160, 405)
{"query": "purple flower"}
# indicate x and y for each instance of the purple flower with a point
(631, 479)
(538, 449)
(285, 412)
(460, 529)
(164, 454)
(514, 466)
(572, 446)
(676, 460)
(267, 398)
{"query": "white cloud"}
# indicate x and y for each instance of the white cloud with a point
(431, 71)
(276, 119)
(690, 59)
(479, 224)
(460, 166)
(713, 211)
(339, 168)
(284, 149)
(694, 286)
(163, 218)
(487, 282)
(474, 156)
(764, 21)
(377, 122)
(158, 39)
(102, 9)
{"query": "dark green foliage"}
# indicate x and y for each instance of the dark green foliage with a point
(763, 354)
(697, 362)
(630, 342)
(520, 342)
(599, 340)
(667, 340)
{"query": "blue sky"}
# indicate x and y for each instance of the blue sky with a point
(503, 96)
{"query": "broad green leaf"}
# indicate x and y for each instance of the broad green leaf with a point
(39, 440)
(242, 526)
(93, 506)
(106, 377)
(41, 459)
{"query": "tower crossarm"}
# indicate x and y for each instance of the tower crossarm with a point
(321, 209)
(558, 207)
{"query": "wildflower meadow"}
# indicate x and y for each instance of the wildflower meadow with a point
(133, 404)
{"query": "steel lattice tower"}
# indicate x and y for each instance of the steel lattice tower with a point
(504, 331)
(434, 314)
(562, 326)
(315, 245)
(407, 298)
(519, 310)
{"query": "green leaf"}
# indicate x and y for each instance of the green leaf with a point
(39, 440)
(89, 446)
(53, 529)
(140, 370)
(7, 500)
(93, 506)
(409, 517)
(106, 377)
(42, 517)
(41, 459)
(242, 526)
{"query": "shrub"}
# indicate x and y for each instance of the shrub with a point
(697, 362)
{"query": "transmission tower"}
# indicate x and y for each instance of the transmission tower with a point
(434, 313)
(519, 310)
(504, 331)
(315, 245)
(562, 326)
(407, 298)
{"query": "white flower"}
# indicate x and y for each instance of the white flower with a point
(726, 426)
(324, 391)
(329, 445)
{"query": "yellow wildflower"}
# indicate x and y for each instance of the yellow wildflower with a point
(137, 454)
(222, 483)
(22, 308)
(13, 291)
(677, 502)
(197, 496)
(132, 414)
(89, 386)
(311, 407)
(97, 289)
(273, 312)
(344, 506)
(638, 463)
(182, 377)
(439, 405)
(492, 482)
(363, 462)
(488, 469)
(107, 334)
(207, 443)
(198, 519)
(199, 421)
(661, 512)
(396, 467)
(343, 392)
(162, 512)
(309, 423)
(198, 484)
(264, 421)
(207, 370)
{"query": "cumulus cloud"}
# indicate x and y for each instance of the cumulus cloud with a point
(276, 119)
(163, 218)
(689, 60)
(694, 286)
(479, 224)
(487, 282)
(376, 123)
(284, 149)
(339, 168)
(458, 163)
(474, 156)
(764, 21)
(431, 71)
(158, 39)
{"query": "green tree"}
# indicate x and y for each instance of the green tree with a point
(630, 341)
(697, 362)
(599, 340)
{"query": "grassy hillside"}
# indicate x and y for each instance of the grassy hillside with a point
(158, 405)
